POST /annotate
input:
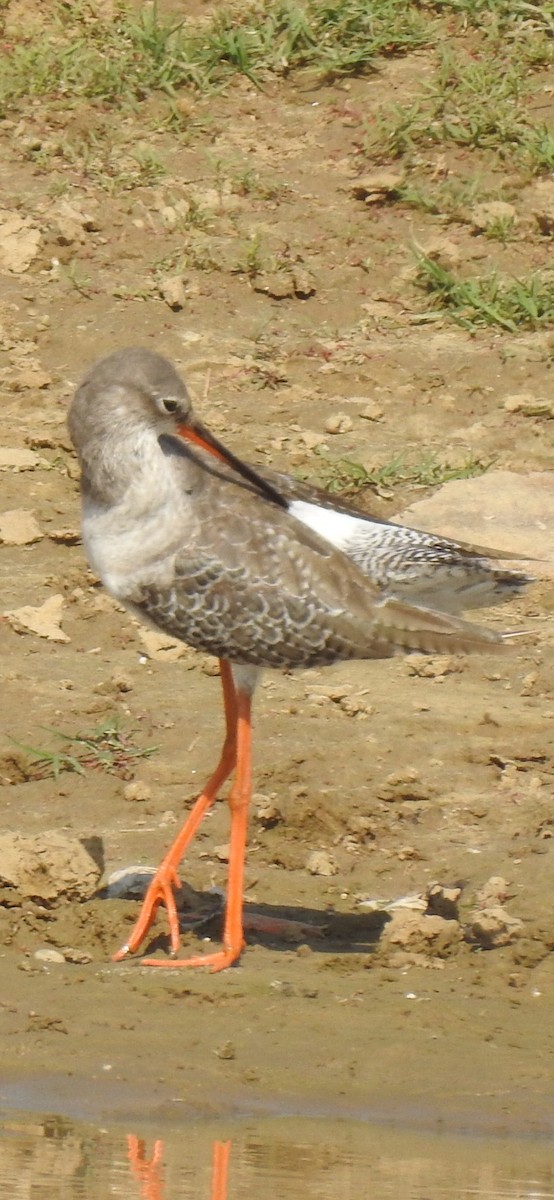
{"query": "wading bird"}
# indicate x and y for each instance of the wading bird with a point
(253, 567)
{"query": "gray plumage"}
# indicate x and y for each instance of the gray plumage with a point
(222, 561)
(424, 568)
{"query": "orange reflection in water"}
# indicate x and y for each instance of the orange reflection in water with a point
(149, 1172)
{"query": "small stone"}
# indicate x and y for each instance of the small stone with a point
(47, 954)
(403, 785)
(356, 706)
(485, 215)
(19, 528)
(377, 185)
(444, 252)
(19, 459)
(529, 683)
(129, 883)
(65, 537)
(122, 682)
(542, 206)
(443, 901)
(427, 935)
(372, 411)
(160, 646)
(72, 954)
(173, 291)
(222, 853)
(45, 620)
(169, 216)
(46, 868)
(137, 791)
(338, 423)
(268, 813)
(19, 241)
(304, 285)
(494, 892)
(320, 862)
(226, 1051)
(362, 827)
(277, 284)
(312, 440)
(434, 666)
(529, 405)
(494, 927)
(210, 666)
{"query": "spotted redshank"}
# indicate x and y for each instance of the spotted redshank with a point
(254, 568)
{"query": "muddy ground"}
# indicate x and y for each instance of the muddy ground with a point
(290, 305)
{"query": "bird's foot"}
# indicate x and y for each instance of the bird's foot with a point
(159, 892)
(218, 961)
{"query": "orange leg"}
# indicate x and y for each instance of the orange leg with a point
(239, 800)
(220, 1169)
(236, 753)
(160, 890)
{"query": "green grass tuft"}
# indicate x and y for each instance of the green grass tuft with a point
(345, 477)
(479, 104)
(107, 748)
(510, 305)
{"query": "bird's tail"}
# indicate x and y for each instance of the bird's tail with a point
(410, 627)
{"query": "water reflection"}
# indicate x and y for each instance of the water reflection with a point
(148, 1171)
(244, 1160)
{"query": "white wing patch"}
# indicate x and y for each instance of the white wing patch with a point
(337, 528)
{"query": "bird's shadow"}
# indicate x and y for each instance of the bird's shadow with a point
(285, 928)
(278, 927)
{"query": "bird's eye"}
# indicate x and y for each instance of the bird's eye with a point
(168, 405)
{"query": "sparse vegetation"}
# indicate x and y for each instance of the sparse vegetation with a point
(108, 748)
(124, 60)
(344, 477)
(477, 104)
(488, 300)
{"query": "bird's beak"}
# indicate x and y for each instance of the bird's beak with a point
(195, 432)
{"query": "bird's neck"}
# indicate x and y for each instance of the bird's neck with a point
(115, 465)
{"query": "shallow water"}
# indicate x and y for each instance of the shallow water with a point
(288, 1157)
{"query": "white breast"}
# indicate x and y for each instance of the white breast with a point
(135, 540)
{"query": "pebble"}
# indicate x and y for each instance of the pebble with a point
(268, 812)
(494, 927)
(18, 527)
(373, 411)
(529, 405)
(494, 892)
(21, 460)
(377, 185)
(339, 423)
(47, 954)
(137, 791)
(173, 291)
(320, 862)
(226, 1051)
(485, 215)
(122, 682)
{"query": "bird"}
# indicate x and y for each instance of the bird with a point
(253, 567)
